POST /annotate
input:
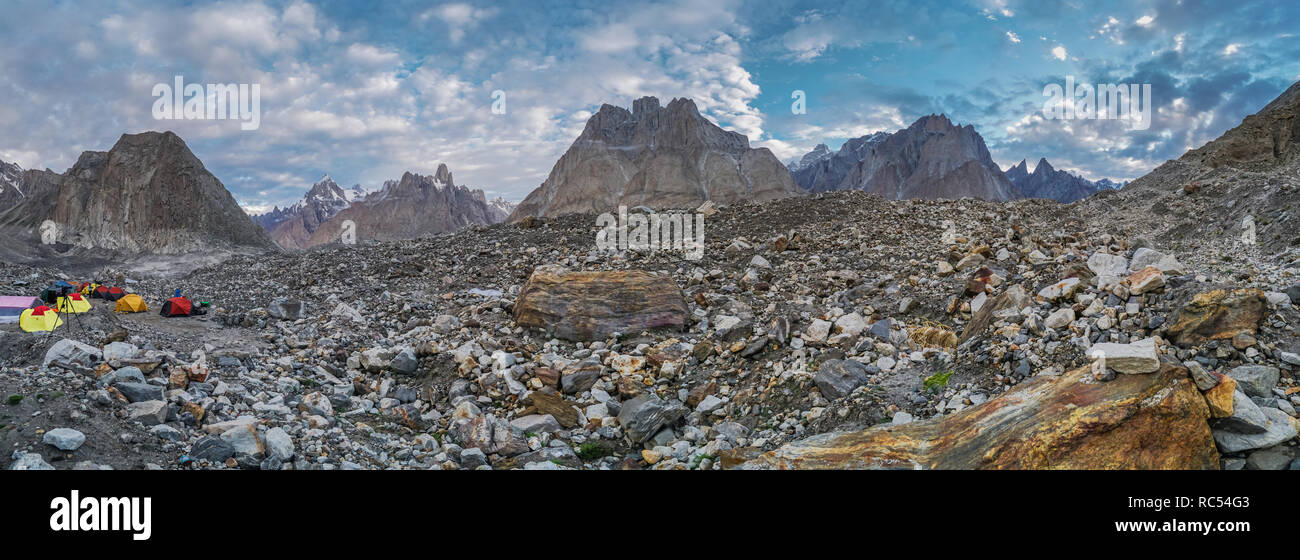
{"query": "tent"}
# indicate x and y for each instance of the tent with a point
(177, 307)
(131, 303)
(39, 318)
(88, 289)
(74, 303)
(100, 292)
(115, 293)
(11, 307)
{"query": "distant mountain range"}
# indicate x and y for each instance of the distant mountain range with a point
(414, 206)
(11, 177)
(932, 158)
(662, 157)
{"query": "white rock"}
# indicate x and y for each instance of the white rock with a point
(1103, 264)
(1136, 357)
(66, 439)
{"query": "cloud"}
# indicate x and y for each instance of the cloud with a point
(1013, 37)
(1059, 53)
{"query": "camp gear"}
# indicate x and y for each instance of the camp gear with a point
(88, 289)
(177, 293)
(176, 307)
(130, 303)
(101, 292)
(115, 293)
(38, 319)
(12, 307)
(73, 303)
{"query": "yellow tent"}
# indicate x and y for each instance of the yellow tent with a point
(40, 318)
(74, 303)
(131, 303)
(88, 288)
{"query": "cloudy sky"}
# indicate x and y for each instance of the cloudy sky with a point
(365, 91)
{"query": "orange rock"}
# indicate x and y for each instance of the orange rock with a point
(1219, 397)
(592, 305)
(1145, 421)
(1218, 315)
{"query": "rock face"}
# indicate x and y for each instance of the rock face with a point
(148, 194)
(1218, 315)
(292, 227)
(593, 305)
(1150, 421)
(415, 206)
(661, 157)
(11, 179)
(933, 158)
(824, 171)
(1048, 182)
(1262, 141)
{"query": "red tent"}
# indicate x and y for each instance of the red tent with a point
(176, 307)
(115, 293)
(100, 292)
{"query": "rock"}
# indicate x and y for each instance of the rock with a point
(212, 449)
(537, 424)
(287, 309)
(316, 403)
(1289, 358)
(1013, 298)
(1294, 293)
(30, 462)
(1221, 397)
(1102, 264)
(491, 435)
(1060, 318)
(1246, 417)
(1204, 380)
(1145, 257)
(72, 352)
(708, 404)
(1064, 289)
(1256, 381)
(128, 373)
(347, 313)
(167, 433)
(149, 413)
(117, 351)
(643, 416)
(818, 331)
(245, 440)
(1279, 428)
(66, 439)
(404, 362)
(1057, 422)
(279, 444)
(580, 377)
(472, 458)
(837, 378)
(592, 305)
(1146, 280)
(1136, 357)
(1272, 459)
(1217, 315)
(851, 324)
(137, 392)
(444, 324)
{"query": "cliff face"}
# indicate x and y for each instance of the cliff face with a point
(148, 194)
(1262, 141)
(415, 206)
(661, 157)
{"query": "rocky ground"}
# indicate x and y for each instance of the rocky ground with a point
(822, 315)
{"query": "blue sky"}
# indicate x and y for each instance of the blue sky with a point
(365, 91)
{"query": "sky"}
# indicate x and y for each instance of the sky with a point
(365, 91)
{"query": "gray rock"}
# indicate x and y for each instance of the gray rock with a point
(472, 457)
(1272, 459)
(128, 373)
(405, 362)
(643, 416)
(1294, 293)
(1103, 264)
(287, 309)
(66, 439)
(580, 379)
(212, 449)
(30, 462)
(1137, 357)
(1280, 428)
(245, 440)
(139, 392)
(1256, 381)
(279, 444)
(492, 435)
(167, 433)
(837, 378)
(1247, 417)
(1204, 381)
(537, 424)
(72, 352)
(149, 413)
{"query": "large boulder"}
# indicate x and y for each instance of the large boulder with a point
(67, 351)
(1218, 315)
(1135, 357)
(1071, 421)
(837, 378)
(592, 305)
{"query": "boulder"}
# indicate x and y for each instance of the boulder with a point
(1256, 381)
(1218, 315)
(287, 309)
(1103, 264)
(837, 378)
(491, 435)
(1246, 417)
(1155, 421)
(592, 305)
(149, 413)
(1135, 357)
(1167, 264)
(66, 439)
(1279, 427)
(1148, 279)
(72, 352)
(643, 416)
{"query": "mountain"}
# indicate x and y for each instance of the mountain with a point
(11, 177)
(932, 158)
(291, 227)
(1262, 141)
(662, 157)
(821, 152)
(826, 172)
(1049, 182)
(415, 206)
(148, 194)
